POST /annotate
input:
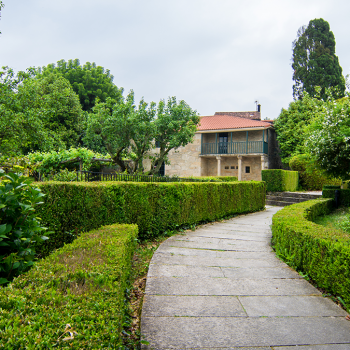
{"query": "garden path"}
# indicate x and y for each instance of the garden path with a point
(222, 287)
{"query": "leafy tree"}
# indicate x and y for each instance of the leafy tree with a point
(19, 129)
(37, 114)
(315, 62)
(175, 126)
(328, 138)
(129, 133)
(88, 81)
(126, 131)
(290, 126)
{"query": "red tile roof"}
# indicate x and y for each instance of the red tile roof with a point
(222, 122)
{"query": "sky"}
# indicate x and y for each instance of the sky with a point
(217, 55)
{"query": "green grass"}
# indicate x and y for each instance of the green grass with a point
(339, 219)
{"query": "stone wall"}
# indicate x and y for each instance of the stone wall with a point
(185, 161)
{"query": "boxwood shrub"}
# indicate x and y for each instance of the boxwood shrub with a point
(321, 253)
(73, 299)
(278, 180)
(71, 208)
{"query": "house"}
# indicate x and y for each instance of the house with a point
(228, 144)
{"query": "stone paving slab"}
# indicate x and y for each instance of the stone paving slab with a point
(248, 236)
(216, 261)
(157, 270)
(306, 306)
(191, 332)
(222, 244)
(265, 272)
(228, 286)
(204, 306)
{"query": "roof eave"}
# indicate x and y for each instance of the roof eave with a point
(235, 129)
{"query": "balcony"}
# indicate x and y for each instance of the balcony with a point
(249, 147)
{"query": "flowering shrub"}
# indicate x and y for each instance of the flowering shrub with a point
(329, 137)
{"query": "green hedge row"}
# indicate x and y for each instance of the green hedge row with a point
(214, 178)
(344, 195)
(71, 208)
(321, 253)
(278, 180)
(73, 299)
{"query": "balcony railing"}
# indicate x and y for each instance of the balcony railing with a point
(234, 147)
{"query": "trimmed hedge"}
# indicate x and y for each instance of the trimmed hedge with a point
(71, 208)
(79, 288)
(214, 178)
(278, 180)
(321, 253)
(344, 195)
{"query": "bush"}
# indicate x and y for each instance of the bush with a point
(74, 299)
(310, 177)
(344, 195)
(71, 208)
(321, 253)
(278, 180)
(20, 228)
(213, 178)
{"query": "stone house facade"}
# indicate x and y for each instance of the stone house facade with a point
(228, 144)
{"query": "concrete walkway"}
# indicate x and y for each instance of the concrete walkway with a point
(222, 287)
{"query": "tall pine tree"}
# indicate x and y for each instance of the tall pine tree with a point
(315, 62)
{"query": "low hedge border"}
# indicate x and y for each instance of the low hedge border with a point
(278, 180)
(73, 299)
(344, 198)
(214, 178)
(321, 253)
(71, 208)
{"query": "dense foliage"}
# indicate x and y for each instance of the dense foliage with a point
(278, 180)
(315, 62)
(73, 299)
(311, 178)
(20, 227)
(47, 163)
(318, 252)
(37, 114)
(344, 195)
(328, 135)
(88, 81)
(71, 208)
(291, 123)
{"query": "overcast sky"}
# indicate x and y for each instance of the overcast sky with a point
(217, 55)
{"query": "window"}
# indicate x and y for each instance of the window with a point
(247, 169)
(227, 167)
(233, 167)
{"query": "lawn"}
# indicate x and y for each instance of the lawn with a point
(339, 219)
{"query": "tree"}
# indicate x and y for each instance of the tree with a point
(57, 105)
(37, 114)
(18, 129)
(88, 81)
(112, 123)
(328, 138)
(129, 133)
(290, 126)
(315, 62)
(175, 126)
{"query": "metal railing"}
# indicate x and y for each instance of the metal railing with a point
(234, 147)
(96, 176)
